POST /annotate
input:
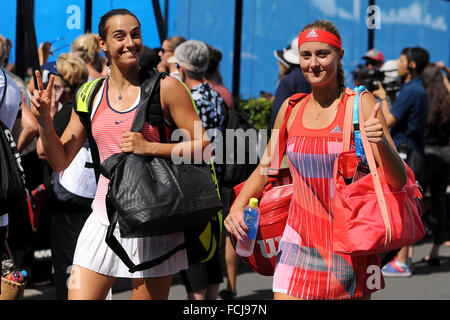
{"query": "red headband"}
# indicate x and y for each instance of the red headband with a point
(321, 36)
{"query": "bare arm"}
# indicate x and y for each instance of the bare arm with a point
(383, 147)
(380, 93)
(59, 152)
(44, 52)
(254, 185)
(29, 129)
(175, 99)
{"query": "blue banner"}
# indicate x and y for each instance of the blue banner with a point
(267, 26)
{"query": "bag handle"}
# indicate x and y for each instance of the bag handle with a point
(118, 249)
(375, 176)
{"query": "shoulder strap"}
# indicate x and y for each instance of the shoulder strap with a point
(85, 95)
(374, 172)
(280, 143)
(349, 109)
(83, 103)
(149, 107)
(358, 123)
(4, 89)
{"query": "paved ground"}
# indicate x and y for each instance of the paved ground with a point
(428, 283)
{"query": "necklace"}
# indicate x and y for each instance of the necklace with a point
(120, 93)
(317, 116)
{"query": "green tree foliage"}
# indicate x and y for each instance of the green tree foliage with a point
(257, 111)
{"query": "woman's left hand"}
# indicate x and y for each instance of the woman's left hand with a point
(134, 142)
(373, 126)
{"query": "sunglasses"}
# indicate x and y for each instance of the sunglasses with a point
(177, 66)
(165, 50)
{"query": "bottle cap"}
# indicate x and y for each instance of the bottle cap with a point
(253, 202)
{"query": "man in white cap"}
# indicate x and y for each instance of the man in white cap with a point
(191, 59)
(292, 81)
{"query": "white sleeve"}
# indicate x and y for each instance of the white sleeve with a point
(4, 220)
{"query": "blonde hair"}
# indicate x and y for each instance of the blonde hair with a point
(4, 49)
(73, 72)
(87, 47)
(329, 26)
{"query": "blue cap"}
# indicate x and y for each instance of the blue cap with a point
(50, 67)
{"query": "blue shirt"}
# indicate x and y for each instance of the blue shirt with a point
(293, 82)
(410, 108)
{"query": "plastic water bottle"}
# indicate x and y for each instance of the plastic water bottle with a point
(245, 247)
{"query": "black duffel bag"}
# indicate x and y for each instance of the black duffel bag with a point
(153, 196)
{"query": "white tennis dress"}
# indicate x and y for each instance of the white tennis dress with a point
(91, 251)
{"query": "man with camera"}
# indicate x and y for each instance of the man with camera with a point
(407, 120)
(374, 59)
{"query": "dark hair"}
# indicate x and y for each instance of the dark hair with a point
(102, 24)
(213, 73)
(175, 41)
(329, 26)
(438, 97)
(419, 55)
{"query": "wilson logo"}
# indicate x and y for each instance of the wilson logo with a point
(269, 247)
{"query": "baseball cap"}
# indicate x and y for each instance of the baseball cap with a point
(279, 56)
(47, 69)
(193, 55)
(374, 54)
(288, 56)
(291, 53)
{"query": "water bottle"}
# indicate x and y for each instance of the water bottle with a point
(245, 247)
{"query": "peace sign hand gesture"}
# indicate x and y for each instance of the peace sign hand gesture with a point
(41, 101)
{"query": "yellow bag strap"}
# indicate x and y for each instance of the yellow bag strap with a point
(83, 95)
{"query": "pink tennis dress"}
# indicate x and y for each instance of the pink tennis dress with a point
(307, 267)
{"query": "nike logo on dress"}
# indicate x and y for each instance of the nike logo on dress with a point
(117, 122)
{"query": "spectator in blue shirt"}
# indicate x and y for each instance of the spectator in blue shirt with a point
(407, 117)
(407, 120)
(292, 78)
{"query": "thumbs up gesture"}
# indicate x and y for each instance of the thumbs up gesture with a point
(373, 126)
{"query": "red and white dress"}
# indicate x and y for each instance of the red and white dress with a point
(307, 267)
(92, 252)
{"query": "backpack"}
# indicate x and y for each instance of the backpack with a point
(201, 243)
(12, 176)
(234, 170)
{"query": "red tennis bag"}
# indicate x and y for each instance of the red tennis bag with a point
(274, 206)
(369, 215)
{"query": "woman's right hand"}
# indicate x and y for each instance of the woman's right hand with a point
(235, 224)
(41, 101)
